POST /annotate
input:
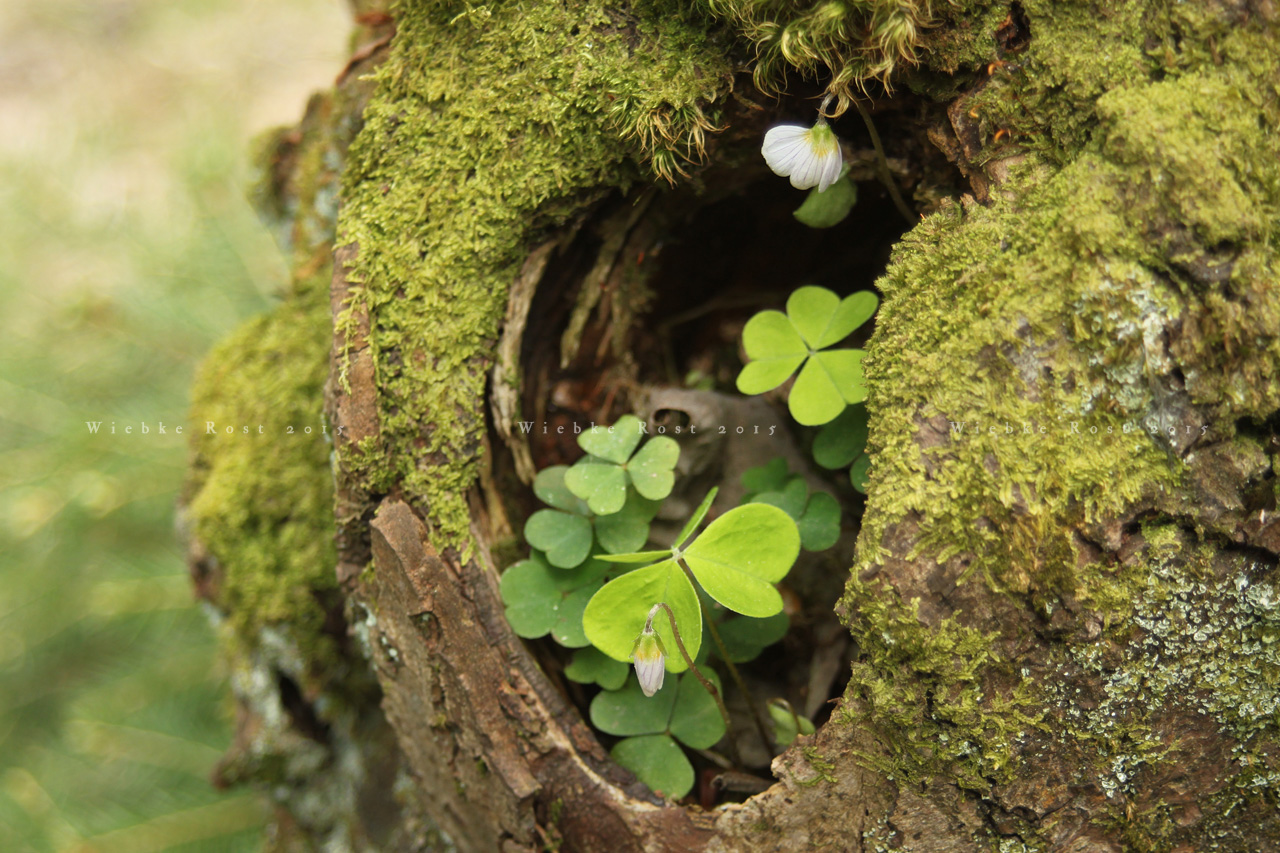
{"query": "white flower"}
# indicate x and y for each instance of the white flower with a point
(809, 155)
(649, 657)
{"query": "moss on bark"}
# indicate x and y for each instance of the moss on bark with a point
(490, 126)
(1061, 359)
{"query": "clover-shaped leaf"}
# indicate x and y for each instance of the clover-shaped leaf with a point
(817, 516)
(617, 613)
(737, 560)
(860, 473)
(628, 528)
(771, 476)
(745, 637)
(565, 532)
(564, 537)
(820, 524)
(792, 498)
(742, 554)
(541, 600)
(829, 207)
(592, 666)
(841, 441)
(682, 708)
(549, 486)
(658, 762)
(778, 343)
(601, 477)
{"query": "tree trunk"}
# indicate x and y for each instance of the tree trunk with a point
(1063, 615)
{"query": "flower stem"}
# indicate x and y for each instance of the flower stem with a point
(706, 685)
(886, 177)
(733, 670)
(761, 729)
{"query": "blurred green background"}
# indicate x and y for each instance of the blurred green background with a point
(126, 249)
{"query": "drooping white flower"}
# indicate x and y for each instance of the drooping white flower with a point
(650, 658)
(810, 156)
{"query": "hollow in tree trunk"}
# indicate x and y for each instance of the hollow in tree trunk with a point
(1060, 627)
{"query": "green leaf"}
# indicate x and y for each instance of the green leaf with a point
(830, 207)
(696, 519)
(565, 538)
(567, 629)
(592, 666)
(854, 310)
(820, 524)
(774, 349)
(860, 473)
(613, 444)
(768, 477)
(550, 488)
(636, 557)
(616, 615)
(771, 334)
(745, 637)
(542, 600)
(766, 374)
(810, 310)
(627, 529)
(786, 724)
(531, 595)
(652, 468)
(629, 712)
(815, 398)
(791, 498)
(696, 719)
(838, 443)
(844, 366)
(601, 484)
(741, 554)
(658, 762)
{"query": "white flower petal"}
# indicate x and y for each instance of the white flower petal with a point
(832, 165)
(781, 144)
(786, 160)
(650, 673)
(806, 173)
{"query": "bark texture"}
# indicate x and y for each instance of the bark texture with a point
(1065, 604)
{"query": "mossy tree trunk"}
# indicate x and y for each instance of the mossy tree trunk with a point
(1065, 604)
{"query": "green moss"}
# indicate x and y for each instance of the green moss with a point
(845, 44)
(921, 688)
(261, 497)
(1019, 373)
(491, 125)
(1046, 94)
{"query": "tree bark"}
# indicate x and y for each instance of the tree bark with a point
(1063, 614)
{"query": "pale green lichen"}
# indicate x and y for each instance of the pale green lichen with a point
(490, 126)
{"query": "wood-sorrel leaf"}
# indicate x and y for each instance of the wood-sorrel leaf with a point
(742, 554)
(617, 613)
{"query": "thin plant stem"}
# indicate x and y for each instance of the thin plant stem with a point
(886, 177)
(706, 685)
(733, 670)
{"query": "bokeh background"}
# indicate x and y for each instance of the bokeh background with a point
(126, 249)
